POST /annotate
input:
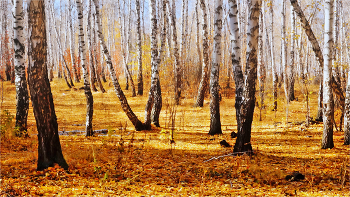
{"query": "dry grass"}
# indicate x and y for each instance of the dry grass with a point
(132, 163)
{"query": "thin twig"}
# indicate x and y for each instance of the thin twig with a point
(231, 154)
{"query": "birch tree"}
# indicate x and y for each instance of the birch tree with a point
(139, 52)
(178, 69)
(273, 66)
(215, 123)
(347, 113)
(328, 105)
(49, 147)
(236, 58)
(155, 60)
(291, 68)
(87, 89)
(124, 103)
(247, 83)
(203, 85)
(22, 97)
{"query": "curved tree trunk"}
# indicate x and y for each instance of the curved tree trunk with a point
(132, 117)
(87, 89)
(328, 105)
(246, 109)
(22, 97)
(203, 85)
(49, 147)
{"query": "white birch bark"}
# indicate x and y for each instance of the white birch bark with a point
(347, 113)
(328, 105)
(246, 108)
(139, 50)
(22, 97)
(120, 94)
(273, 66)
(87, 89)
(203, 86)
(291, 69)
(215, 123)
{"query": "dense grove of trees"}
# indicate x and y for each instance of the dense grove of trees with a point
(190, 48)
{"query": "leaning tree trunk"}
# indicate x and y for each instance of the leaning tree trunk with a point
(49, 147)
(328, 105)
(87, 89)
(203, 85)
(22, 97)
(215, 123)
(347, 113)
(139, 48)
(132, 117)
(246, 108)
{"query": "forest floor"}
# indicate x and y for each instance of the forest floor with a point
(129, 163)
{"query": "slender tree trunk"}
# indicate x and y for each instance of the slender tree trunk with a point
(347, 113)
(291, 69)
(178, 69)
(72, 43)
(49, 147)
(261, 65)
(125, 106)
(199, 51)
(203, 85)
(215, 123)
(273, 66)
(22, 97)
(157, 106)
(139, 45)
(90, 48)
(87, 89)
(154, 63)
(236, 58)
(328, 105)
(243, 143)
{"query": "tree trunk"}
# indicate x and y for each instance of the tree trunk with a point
(49, 147)
(22, 97)
(236, 58)
(273, 66)
(215, 123)
(132, 117)
(347, 113)
(139, 54)
(178, 68)
(261, 66)
(72, 43)
(246, 108)
(291, 69)
(87, 89)
(203, 85)
(328, 105)
(90, 49)
(154, 63)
